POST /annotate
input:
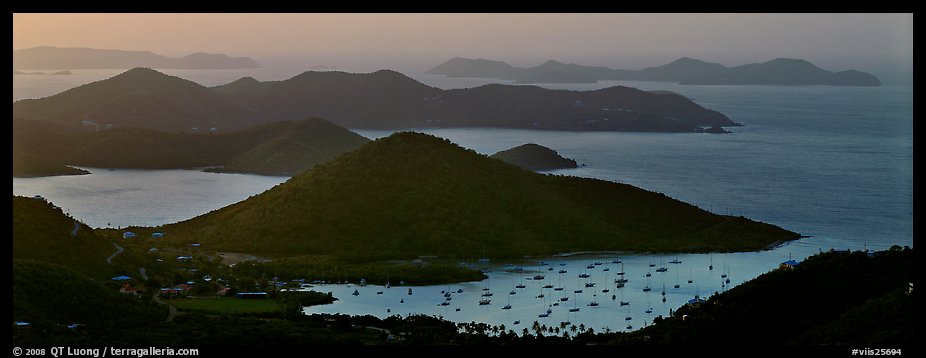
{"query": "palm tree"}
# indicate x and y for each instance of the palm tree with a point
(525, 332)
(581, 327)
(573, 328)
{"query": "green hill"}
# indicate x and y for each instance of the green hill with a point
(304, 145)
(412, 194)
(142, 98)
(534, 157)
(279, 148)
(43, 233)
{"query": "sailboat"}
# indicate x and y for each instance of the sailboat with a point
(711, 267)
(676, 280)
(662, 267)
(628, 314)
(578, 288)
(521, 275)
(575, 306)
(594, 302)
(689, 276)
(508, 306)
(647, 288)
(606, 289)
(724, 275)
(624, 303)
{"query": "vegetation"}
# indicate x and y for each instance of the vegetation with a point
(27, 166)
(534, 157)
(227, 305)
(43, 233)
(279, 148)
(144, 98)
(411, 195)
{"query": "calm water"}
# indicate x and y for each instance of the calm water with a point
(123, 197)
(835, 163)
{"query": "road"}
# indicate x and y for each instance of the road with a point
(76, 227)
(172, 311)
(119, 250)
(141, 271)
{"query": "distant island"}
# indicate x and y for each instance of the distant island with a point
(384, 99)
(57, 73)
(421, 195)
(534, 157)
(283, 148)
(685, 71)
(46, 57)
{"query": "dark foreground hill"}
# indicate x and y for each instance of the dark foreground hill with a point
(145, 98)
(411, 194)
(534, 157)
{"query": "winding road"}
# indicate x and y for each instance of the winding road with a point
(172, 311)
(119, 250)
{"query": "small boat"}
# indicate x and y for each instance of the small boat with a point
(589, 284)
(512, 292)
(647, 289)
(409, 291)
(606, 269)
(517, 322)
(663, 299)
(605, 290)
(583, 275)
(448, 299)
(597, 263)
(556, 303)
(590, 266)
(647, 274)
(538, 277)
(485, 288)
(648, 310)
(627, 319)
(662, 269)
(458, 310)
(578, 291)
(652, 265)
(520, 285)
(487, 294)
(625, 303)
(543, 315)
(564, 298)
(447, 294)
(388, 310)
(615, 261)
(548, 286)
(629, 327)
(460, 290)
(558, 289)
(445, 303)
(576, 309)
(506, 307)
(613, 297)
(620, 284)
(484, 302)
(356, 293)
(594, 303)
(379, 292)
(540, 295)
(562, 271)
(402, 301)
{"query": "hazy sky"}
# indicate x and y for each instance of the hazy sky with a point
(867, 42)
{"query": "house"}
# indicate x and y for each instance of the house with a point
(128, 235)
(127, 289)
(157, 235)
(790, 264)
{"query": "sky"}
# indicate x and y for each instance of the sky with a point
(867, 42)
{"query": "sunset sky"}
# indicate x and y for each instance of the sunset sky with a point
(868, 42)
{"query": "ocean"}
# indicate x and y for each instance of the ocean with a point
(832, 163)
